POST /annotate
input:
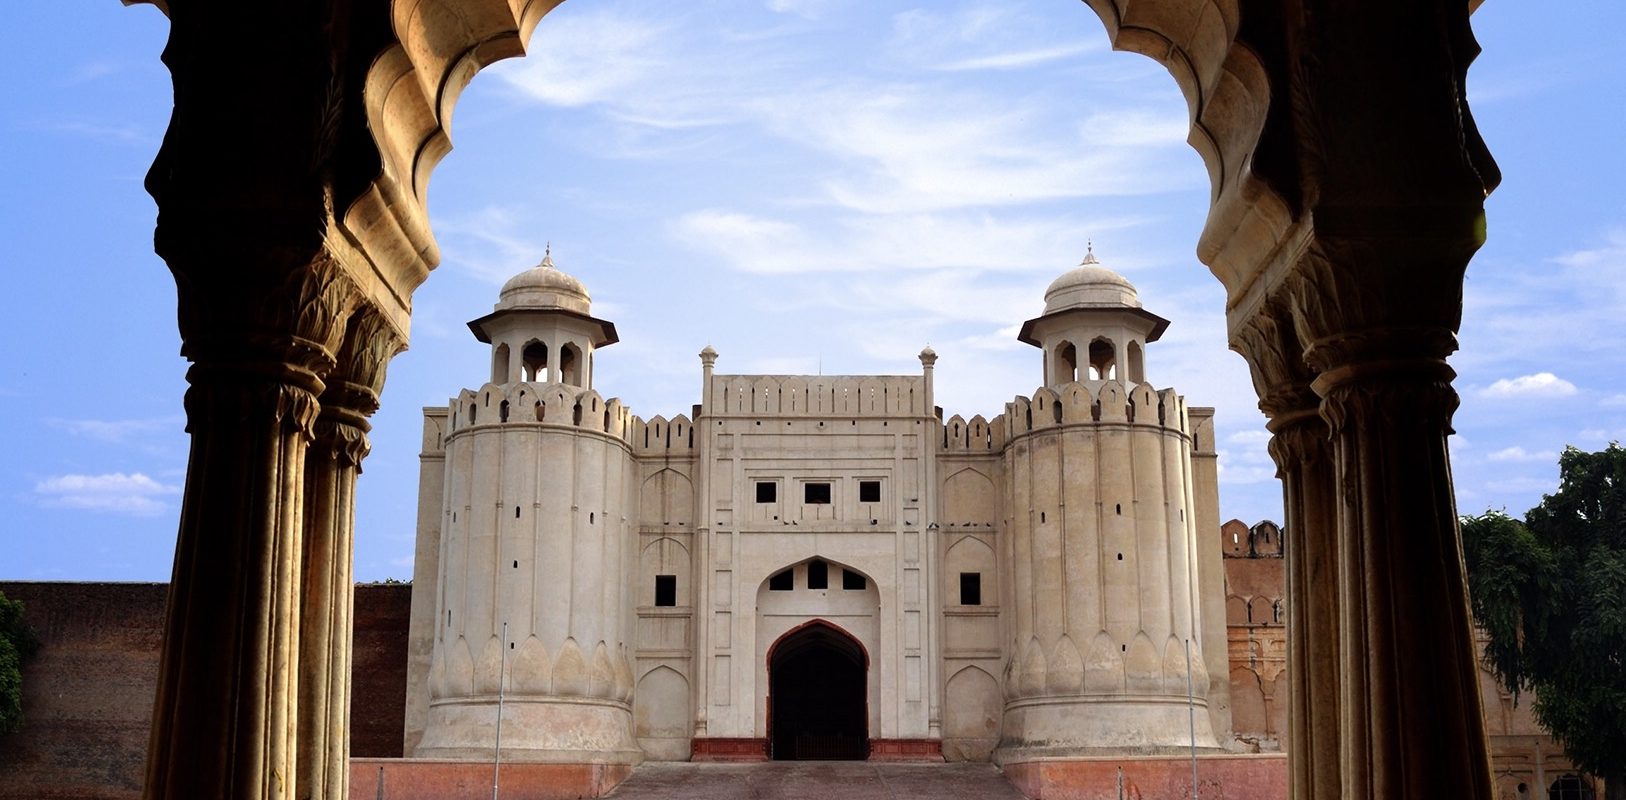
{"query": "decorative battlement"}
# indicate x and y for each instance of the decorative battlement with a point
(976, 435)
(540, 403)
(661, 434)
(817, 396)
(557, 404)
(1076, 403)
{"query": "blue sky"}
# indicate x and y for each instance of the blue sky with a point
(804, 184)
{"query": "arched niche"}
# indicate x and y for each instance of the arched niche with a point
(534, 361)
(818, 694)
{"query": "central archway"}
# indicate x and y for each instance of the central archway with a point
(818, 699)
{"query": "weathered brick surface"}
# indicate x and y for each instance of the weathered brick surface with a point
(379, 670)
(88, 696)
(424, 779)
(1219, 777)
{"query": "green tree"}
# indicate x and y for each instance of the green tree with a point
(17, 644)
(1551, 594)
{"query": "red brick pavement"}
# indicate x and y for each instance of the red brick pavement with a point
(816, 780)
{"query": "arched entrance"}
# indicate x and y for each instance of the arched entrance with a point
(818, 703)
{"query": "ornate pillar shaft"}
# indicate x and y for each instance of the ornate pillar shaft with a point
(224, 719)
(1299, 445)
(1304, 464)
(290, 188)
(1377, 312)
(326, 615)
(331, 465)
(1401, 588)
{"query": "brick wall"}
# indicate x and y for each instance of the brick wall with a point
(87, 696)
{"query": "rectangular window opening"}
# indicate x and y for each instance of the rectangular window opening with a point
(767, 492)
(869, 491)
(818, 575)
(852, 581)
(816, 493)
(970, 588)
(665, 590)
(783, 582)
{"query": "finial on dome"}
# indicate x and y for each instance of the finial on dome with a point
(1089, 253)
(547, 256)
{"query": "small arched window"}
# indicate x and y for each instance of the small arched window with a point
(1137, 363)
(1066, 363)
(534, 361)
(570, 365)
(1103, 360)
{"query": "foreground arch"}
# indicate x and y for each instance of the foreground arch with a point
(1348, 187)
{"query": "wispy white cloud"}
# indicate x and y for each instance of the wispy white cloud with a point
(117, 431)
(982, 36)
(1541, 384)
(94, 70)
(1523, 484)
(906, 148)
(1243, 474)
(1249, 437)
(1519, 454)
(591, 57)
(488, 243)
(905, 242)
(115, 492)
(1614, 401)
(1017, 59)
(112, 133)
(806, 9)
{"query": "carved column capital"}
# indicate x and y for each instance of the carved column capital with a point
(352, 391)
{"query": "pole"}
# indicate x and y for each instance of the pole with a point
(1191, 721)
(496, 751)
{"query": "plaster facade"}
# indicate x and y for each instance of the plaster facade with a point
(1014, 588)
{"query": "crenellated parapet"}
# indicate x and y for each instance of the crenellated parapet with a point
(974, 436)
(1088, 403)
(662, 437)
(816, 396)
(542, 404)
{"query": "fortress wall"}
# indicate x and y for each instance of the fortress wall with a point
(88, 694)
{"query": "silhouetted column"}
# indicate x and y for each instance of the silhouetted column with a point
(290, 188)
(224, 723)
(1300, 447)
(333, 461)
(1378, 318)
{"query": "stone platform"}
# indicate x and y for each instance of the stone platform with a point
(815, 780)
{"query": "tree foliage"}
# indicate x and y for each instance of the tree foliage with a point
(17, 644)
(1551, 594)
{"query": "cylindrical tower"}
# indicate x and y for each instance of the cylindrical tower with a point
(535, 534)
(1102, 539)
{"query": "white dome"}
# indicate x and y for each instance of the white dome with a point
(1090, 285)
(544, 287)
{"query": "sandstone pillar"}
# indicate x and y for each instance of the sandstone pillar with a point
(224, 723)
(290, 186)
(1387, 401)
(1299, 445)
(333, 461)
